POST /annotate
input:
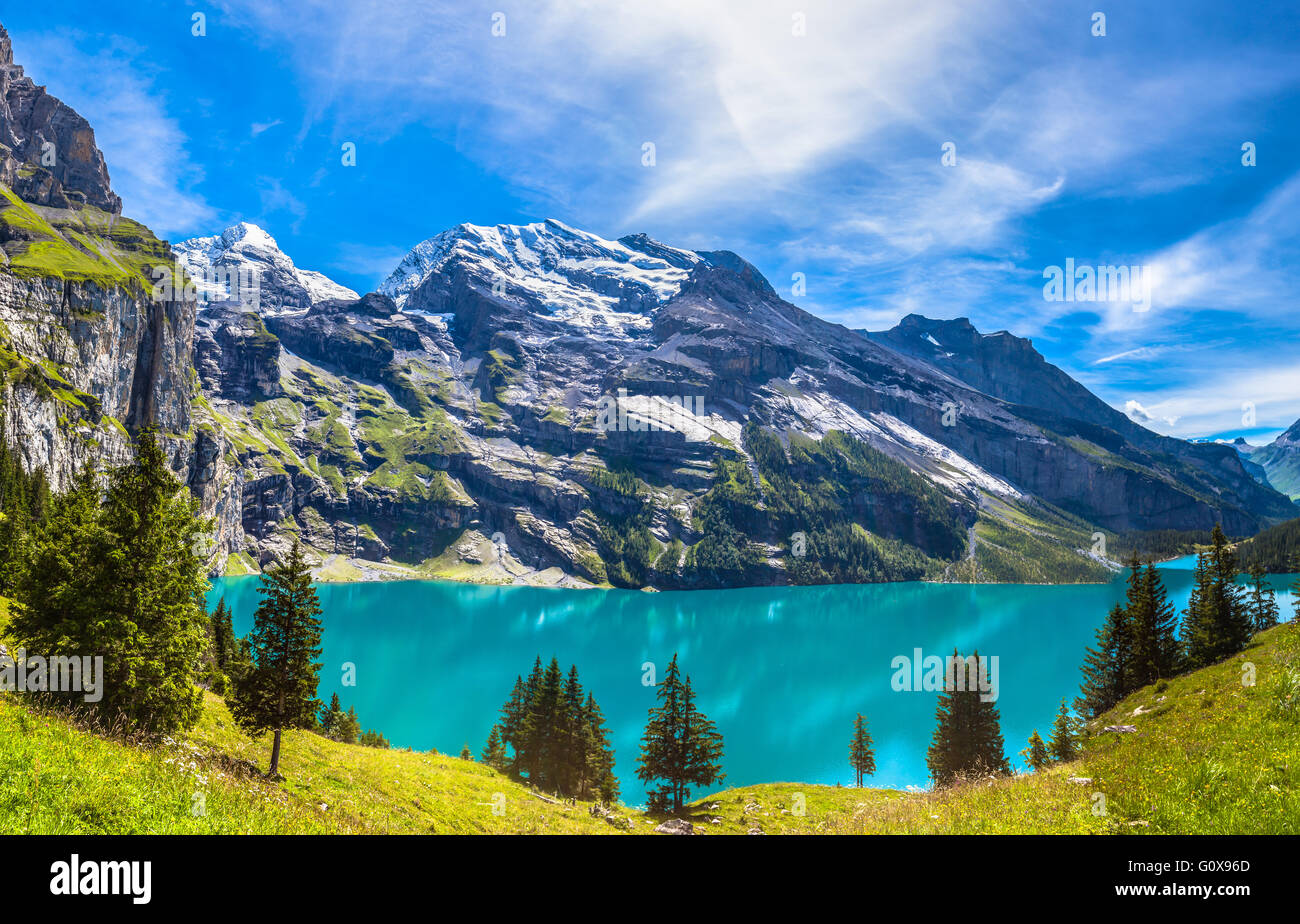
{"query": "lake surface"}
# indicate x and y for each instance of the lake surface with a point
(781, 671)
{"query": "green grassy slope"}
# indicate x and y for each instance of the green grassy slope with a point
(1210, 756)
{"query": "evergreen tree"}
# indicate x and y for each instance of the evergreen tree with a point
(349, 727)
(968, 734)
(559, 740)
(861, 756)
(1036, 754)
(1217, 624)
(494, 753)
(331, 717)
(1107, 667)
(599, 778)
(465, 752)
(1064, 743)
(279, 691)
(1152, 628)
(223, 636)
(114, 574)
(373, 739)
(1168, 655)
(1262, 603)
(680, 745)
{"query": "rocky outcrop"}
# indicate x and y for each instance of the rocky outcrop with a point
(47, 151)
(236, 356)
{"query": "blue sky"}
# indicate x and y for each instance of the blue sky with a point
(816, 153)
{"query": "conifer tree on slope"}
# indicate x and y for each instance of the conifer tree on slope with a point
(331, 717)
(861, 755)
(1168, 650)
(279, 691)
(1036, 755)
(680, 747)
(559, 738)
(968, 734)
(1064, 743)
(223, 635)
(1217, 624)
(1262, 604)
(1152, 630)
(116, 574)
(1107, 666)
(600, 779)
(494, 752)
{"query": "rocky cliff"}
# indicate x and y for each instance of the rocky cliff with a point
(90, 350)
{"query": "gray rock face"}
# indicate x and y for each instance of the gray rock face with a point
(47, 151)
(236, 356)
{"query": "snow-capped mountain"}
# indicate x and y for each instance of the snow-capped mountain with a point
(244, 264)
(577, 278)
(464, 398)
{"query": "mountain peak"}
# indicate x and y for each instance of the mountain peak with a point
(249, 235)
(564, 273)
(249, 251)
(6, 48)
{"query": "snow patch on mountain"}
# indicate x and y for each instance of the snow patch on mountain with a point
(573, 276)
(244, 263)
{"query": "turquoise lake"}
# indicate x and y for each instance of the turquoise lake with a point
(781, 671)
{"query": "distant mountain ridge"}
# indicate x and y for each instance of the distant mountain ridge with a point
(461, 398)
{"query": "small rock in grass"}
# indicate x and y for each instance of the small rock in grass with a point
(675, 826)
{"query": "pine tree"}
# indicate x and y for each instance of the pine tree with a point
(349, 727)
(1169, 652)
(331, 717)
(494, 753)
(373, 739)
(1036, 754)
(1218, 623)
(1107, 667)
(861, 756)
(680, 745)
(1064, 743)
(223, 635)
(465, 752)
(279, 691)
(1262, 603)
(968, 735)
(115, 574)
(559, 738)
(600, 767)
